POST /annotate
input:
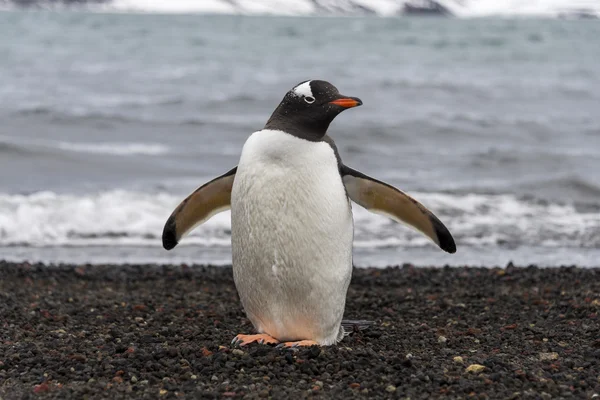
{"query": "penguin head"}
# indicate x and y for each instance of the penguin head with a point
(308, 108)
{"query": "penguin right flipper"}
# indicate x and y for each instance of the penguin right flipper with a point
(206, 201)
(381, 198)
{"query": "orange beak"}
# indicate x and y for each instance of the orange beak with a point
(347, 102)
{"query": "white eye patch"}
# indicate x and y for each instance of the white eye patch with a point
(303, 90)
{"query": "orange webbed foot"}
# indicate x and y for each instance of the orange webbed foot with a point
(261, 338)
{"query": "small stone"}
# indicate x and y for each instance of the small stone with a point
(390, 389)
(458, 360)
(79, 357)
(214, 378)
(548, 356)
(319, 383)
(41, 388)
(193, 377)
(162, 392)
(237, 352)
(442, 339)
(134, 379)
(475, 368)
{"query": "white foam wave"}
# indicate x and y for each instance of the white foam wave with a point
(110, 148)
(115, 217)
(120, 149)
(128, 218)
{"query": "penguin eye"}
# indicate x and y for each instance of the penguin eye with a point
(309, 99)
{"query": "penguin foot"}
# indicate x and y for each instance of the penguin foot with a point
(261, 338)
(299, 343)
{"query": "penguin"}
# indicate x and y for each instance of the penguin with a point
(291, 220)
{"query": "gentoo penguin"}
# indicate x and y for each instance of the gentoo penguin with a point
(291, 220)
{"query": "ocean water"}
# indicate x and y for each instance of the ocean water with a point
(107, 121)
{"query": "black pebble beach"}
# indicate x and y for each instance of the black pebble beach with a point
(161, 332)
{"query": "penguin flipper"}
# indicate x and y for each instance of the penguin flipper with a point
(206, 201)
(381, 198)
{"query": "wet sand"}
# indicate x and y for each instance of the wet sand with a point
(148, 331)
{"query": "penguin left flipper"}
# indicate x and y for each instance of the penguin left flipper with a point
(381, 198)
(206, 201)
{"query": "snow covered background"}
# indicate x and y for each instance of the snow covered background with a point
(460, 8)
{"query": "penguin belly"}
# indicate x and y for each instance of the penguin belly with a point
(291, 231)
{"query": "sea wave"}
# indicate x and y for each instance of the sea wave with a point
(13, 148)
(119, 149)
(33, 147)
(103, 105)
(129, 218)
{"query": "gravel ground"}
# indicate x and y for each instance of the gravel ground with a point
(149, 331)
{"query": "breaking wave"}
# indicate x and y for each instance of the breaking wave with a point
(129, 218)
(33, 147)
(119, 149)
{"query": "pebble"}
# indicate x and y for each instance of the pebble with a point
(548, 356)
(458, 360)
(475, 368)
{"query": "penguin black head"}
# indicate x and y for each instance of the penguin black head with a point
(307, 110)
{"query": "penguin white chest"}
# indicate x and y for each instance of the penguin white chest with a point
(292, 237)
